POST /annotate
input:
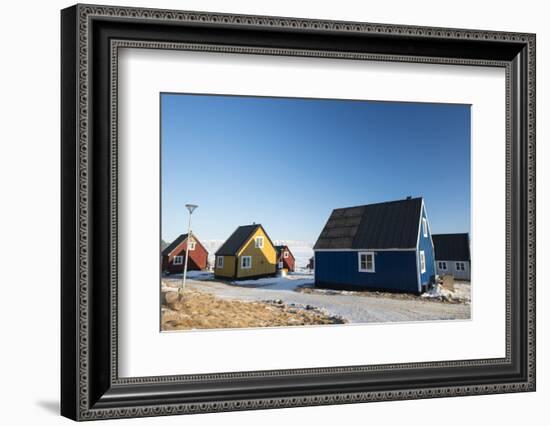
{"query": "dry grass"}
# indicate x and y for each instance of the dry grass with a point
(196, 310)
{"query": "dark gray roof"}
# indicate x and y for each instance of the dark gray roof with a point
(174, 244)
(393, 224)
(452, 246)
(280, 248)
(236, 240)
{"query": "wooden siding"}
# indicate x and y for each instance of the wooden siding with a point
(425, 244)
(451, 269)
(228, 270)
(263, 259)
(394, 270)
(197, 261)
(289, 262)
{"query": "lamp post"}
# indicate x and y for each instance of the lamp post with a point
(191, 208)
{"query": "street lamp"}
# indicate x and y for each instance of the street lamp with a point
(191, 208)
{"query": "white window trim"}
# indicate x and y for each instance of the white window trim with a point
(285, 255)
(424, 227)
(219, 262)
(460, 268)
(191, 245)
(178, 260)
(422, 262)
(442, 264)
(365, 253)
(259, 242)
(242, 262)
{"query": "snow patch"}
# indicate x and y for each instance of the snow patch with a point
(460, 293)
(288, 282)
(194, 275)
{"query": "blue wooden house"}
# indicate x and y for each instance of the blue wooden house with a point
(383, 246)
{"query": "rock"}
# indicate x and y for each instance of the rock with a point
(170, 297)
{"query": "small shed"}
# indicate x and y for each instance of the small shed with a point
(173, 256)
(452, 255)
(247, 253)
(285, 258)
(383, 246)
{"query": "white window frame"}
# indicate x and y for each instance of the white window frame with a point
(285, 255)
(280, 265)
(178, 260)
(242, 262)
(425, 227)
(460, 266)
(442, 265)
(219, 262)
(366, 269)
(191, 245)
(259, 242)
(422, 256)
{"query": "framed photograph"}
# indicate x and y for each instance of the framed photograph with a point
(263, 212)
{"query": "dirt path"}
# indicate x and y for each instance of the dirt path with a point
(355, 309)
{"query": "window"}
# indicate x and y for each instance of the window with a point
(285, 255)
(259, 242)
(442, 265)
(219, 261)
(246, 262)
(422, 262)
(366, 261)
(178, 260)
(191, 245)
(280, 265)
(459, 266)
(425, 227)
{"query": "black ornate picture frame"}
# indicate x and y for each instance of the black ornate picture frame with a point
(91, 36)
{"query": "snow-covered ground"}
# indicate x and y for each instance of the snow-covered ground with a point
(200, 275)
(288, 282)
(356, 307)
(460, 293)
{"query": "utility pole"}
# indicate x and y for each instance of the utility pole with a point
(191, 208)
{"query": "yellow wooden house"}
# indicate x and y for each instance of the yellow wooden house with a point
(247, 253)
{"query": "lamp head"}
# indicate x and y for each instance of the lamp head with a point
(191, 207)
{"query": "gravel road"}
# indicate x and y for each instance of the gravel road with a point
(355, 309)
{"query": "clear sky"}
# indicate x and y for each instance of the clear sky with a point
(286, 163)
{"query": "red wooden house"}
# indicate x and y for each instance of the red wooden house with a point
(285, 258)
(173, 256)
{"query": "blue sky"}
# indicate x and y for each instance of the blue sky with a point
(286, 163)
